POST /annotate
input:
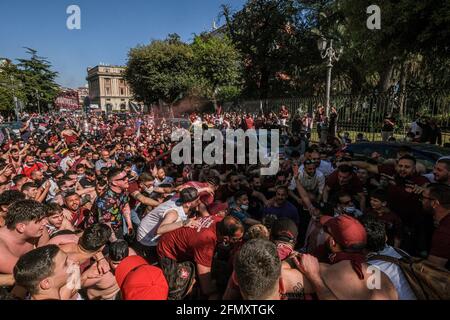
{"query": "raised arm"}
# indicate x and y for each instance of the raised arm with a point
(362, 165)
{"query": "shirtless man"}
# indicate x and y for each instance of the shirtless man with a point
(24, 225)
(104, 286)
(347, 277)
(7, 198)
(43, 272)
(90, 245)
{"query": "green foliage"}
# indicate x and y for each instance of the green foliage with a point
(170, 69)
(161, 70)
(37, 79)
(216, 61)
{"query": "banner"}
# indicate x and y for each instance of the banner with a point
(68, 100)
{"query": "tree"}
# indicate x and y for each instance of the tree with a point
(277, 46)
(217, 62)
(10, 86)
(38, 80)
(160, 71)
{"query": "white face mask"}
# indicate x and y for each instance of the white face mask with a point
(244, 207)
(149, 190)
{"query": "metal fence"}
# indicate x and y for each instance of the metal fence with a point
(364, 113)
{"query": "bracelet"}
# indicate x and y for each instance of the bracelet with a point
(100, 259)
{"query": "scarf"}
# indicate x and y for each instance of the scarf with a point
(356, 259)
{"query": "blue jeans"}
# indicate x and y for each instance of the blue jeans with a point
(134, 219)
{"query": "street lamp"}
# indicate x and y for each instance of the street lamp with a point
(331, 55)
(38, 96)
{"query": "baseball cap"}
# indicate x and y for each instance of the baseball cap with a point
(346, 230)
(138, 280)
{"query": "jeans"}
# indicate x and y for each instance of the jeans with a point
(134, 219)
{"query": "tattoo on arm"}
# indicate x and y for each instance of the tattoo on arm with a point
(298, 292)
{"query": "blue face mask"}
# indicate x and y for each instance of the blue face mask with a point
(349, 210)
(244, 207)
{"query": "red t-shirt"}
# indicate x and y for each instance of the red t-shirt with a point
(133, 187)
(440, 243)
(188, 244)
(70, 139)
(353, 187)
(249, 122)
(406, 204)
(27, 170)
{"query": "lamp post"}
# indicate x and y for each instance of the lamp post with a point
(38, 97)
(331, 55)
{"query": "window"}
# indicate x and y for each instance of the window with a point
(107, 86)
(122, 92)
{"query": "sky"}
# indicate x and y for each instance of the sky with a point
(109, 29)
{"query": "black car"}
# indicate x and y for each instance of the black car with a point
(426, 154)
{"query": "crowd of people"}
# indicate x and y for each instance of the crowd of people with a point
(93, 208)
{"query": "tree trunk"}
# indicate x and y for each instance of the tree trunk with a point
(264, 85)
(385, 77)
(403, 78)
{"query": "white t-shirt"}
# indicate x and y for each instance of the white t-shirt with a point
(394, 273)
(64, 164)
(326, 168)
(146, 234)
(316, 182)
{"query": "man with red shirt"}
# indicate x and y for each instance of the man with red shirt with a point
(31, 165)
(344, 180)
(436, 199)
(404, 183)
(198, 246)
(249, 121)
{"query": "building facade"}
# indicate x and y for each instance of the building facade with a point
(83, 92)
(108, 89)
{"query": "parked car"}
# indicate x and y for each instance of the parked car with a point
(426, 154)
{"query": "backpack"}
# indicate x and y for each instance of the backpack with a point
(180, 277)
(427, 281)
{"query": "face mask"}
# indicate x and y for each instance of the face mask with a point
(349, 210)
(244, 207)
(149, 190)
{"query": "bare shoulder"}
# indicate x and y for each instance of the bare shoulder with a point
(68, 247)
(345, 283)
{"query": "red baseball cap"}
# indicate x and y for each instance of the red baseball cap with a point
(345, 230)
(138, 280)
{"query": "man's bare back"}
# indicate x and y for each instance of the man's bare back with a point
(11, 250)
(100, 286)
(342, 282)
